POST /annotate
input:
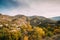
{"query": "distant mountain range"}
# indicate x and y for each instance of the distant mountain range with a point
(56, 18)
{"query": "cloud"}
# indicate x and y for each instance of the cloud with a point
(8, 3)
(47, 8)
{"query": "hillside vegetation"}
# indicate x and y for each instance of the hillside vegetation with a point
(22, 27)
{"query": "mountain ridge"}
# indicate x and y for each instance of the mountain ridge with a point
(57, 18)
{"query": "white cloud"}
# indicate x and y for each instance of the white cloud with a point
(47, 8)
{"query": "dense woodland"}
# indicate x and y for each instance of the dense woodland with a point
(21, 27)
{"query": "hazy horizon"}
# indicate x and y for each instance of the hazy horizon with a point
(46, 8)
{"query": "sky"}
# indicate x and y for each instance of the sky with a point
(46, 8)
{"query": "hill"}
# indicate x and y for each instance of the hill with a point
(56, 18)
(21, 27)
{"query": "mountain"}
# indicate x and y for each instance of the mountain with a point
(40, 20)
(56, 18)
(32, 20)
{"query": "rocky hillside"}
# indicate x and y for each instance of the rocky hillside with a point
(33, 20)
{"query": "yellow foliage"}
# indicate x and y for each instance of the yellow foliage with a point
(57, 31)
(25, 37)
(40, 31)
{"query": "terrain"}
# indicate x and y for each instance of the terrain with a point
(21, 27)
